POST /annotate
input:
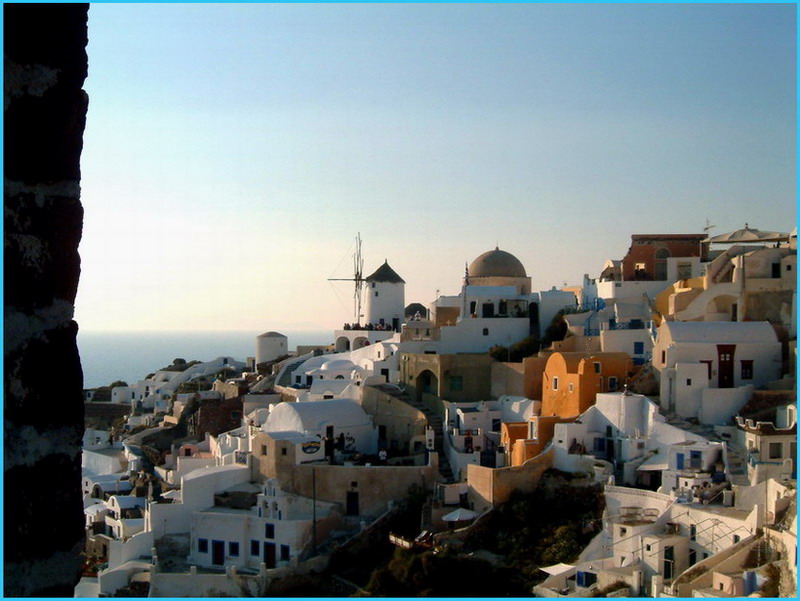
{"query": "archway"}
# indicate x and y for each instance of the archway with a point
(342, 344)
(427, 383)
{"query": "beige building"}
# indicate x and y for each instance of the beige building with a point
(463, 377)
(360, 490)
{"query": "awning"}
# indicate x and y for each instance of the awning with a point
(557, 569)
(459, 515)
(654, 463)
(748, 234)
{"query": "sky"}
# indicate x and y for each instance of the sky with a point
(232, 153)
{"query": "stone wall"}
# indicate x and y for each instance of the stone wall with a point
(45, 64)
(490, 487)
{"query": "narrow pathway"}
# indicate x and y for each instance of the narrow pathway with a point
(434, 421)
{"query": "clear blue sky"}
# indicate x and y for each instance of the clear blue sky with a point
(232, 152)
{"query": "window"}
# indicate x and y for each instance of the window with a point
(376, 293)
(555, 383)
(255, 548)
(613, 384)
(747, 370)
(688, 381)
(284, 552)
(263, 449)
(269, 530)
(485, 331)
(623, 531)
(571, 387)
(202, 545)
(233, 549)
(684, 271)
(598, 368)
(775, 450)
(283, 451)
(693, 532)
(663, 357)
(736, 538)
(638, 348)
(456, 383)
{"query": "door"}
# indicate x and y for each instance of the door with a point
(269, 554)
(669, 562)
(352, 503)
(487, 310)
(679, 461)
(218, 552)
(725, 353)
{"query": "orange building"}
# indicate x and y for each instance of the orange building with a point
(572, 380)
(526, 440)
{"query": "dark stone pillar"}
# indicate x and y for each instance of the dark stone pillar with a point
(44, 111)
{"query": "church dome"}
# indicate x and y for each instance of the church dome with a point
(497, 263)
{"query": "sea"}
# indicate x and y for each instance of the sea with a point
(129, 356)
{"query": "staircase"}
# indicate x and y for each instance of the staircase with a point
(434, 421)
(285, 377)
(737, 473)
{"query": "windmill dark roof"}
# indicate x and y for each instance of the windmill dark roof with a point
(384, 273)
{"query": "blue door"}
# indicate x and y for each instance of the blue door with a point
(680, 461)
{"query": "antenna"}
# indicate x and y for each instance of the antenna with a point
(708, 227)
(358, 279)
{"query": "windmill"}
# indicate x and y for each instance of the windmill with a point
(358, 279)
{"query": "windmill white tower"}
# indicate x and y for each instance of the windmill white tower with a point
(386, 297)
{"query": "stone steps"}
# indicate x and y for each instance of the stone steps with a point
(435, 422)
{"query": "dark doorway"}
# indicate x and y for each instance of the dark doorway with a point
(487, 310)
(533, 320)
(352, 503)
(382, 436)
(218, 552)
(269, 554)
(725, 353)
(669, 562)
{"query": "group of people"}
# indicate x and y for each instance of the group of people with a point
(381, 327)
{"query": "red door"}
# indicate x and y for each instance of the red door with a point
(725, 353)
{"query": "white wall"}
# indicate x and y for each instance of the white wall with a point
(629, 289)
(467, 335)
(691, 379)
(719, 405)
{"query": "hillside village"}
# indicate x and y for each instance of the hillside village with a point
(666, 383)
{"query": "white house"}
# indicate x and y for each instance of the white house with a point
(341, 420)
(276, 530)
(693, 357)
(623, 429)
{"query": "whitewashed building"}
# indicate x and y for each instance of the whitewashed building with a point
(694, 358)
